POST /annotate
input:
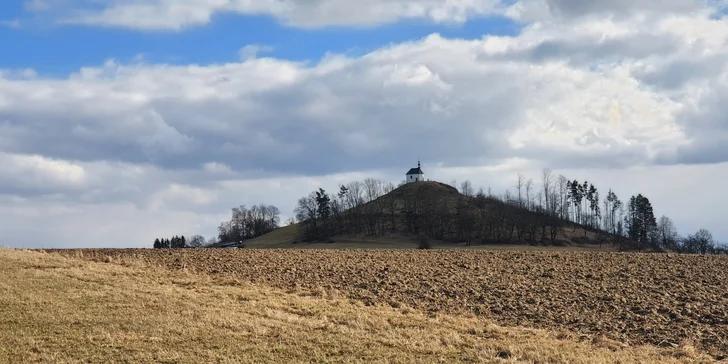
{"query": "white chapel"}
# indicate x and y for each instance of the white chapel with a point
(415, 174)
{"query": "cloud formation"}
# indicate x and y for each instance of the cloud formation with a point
(176, 15)
(606, 86)
(277, 116)
(169, 15)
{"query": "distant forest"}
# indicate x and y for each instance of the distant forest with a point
(530, 212)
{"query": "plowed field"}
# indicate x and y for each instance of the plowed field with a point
(656, 299)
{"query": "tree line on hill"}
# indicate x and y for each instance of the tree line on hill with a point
(245, 223)
(368, 208)
(634, 219)
(249, 223)
(355, 209)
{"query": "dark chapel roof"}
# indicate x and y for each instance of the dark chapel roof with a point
(415, 171)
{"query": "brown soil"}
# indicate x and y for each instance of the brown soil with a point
(656, 299)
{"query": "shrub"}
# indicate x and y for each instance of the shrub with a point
(424, 243)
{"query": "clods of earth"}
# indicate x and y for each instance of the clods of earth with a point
(657, 299)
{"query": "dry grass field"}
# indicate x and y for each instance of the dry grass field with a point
(56, 309)
(667, 301)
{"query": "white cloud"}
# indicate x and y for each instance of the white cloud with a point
(37, 5)
(596, 91)
(176, 15)
(177, 196)
(38, 172)
(14, 24)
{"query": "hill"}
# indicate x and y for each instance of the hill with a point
(439, 215)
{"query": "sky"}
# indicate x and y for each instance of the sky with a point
(125, 120)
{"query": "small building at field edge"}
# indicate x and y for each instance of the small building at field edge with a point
(415, 174)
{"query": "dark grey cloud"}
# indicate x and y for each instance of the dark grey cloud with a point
(584, 51)
(620, 8)
(706, 127)
(674, 74)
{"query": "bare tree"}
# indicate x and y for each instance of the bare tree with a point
(519, 185)
(388, 187)
(546, 182)
(372, 189)
(563, 185)
(466, 188)
(247, 223)
(307, 213)
(699, 243)
(196, 241)
(529, 187)
(611, 206)
(354, 196)
(666, 233)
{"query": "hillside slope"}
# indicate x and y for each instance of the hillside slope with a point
(439, 213)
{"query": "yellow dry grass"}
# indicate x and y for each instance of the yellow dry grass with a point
(65, 310)
(282, 236)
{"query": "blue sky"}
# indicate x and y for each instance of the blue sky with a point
(56, 50)
(615, 92)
